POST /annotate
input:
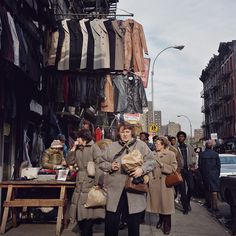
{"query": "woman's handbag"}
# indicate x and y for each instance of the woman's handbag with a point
(136, 186)
(91, 168)
(97, 197)
(173, 179)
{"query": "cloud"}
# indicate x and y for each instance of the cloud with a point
(200, 26)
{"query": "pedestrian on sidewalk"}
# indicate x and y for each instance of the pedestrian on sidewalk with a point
(144, 136)
(118, 198)
(160, 199)
(188, 160)
(84, 151)
(209, 166)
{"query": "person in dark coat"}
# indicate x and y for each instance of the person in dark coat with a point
(209, 166)
(186, 164)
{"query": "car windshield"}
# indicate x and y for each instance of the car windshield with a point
(228, 159)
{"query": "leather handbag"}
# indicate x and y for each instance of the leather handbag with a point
(173, 179)
(132, 187)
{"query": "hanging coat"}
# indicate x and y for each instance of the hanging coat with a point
(108, 104)
(83, 63)
(112, 42)
(135, 45)
(63, 63)
(101, 45)
(54, 36)
(15, 39)
(76, 42)
(129, 94)
(90, 47)
(119, 47)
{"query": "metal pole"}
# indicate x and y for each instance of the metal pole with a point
(152, 74)
(190, 124)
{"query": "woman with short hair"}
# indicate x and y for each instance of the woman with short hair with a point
(160, 199)
(83, 151)
(119, 200)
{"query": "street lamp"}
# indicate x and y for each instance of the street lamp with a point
(180, 47)
(190, 124)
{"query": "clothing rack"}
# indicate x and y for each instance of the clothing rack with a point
(94, 15)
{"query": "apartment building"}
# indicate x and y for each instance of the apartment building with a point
(219, 93)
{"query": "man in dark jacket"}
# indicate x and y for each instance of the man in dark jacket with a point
(186, 165)
(209, 166)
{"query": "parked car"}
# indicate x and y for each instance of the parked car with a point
(228, 164)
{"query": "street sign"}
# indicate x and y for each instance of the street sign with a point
(153, 128)
(214, 136)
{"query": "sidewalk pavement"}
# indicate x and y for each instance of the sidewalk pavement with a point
(198, 222)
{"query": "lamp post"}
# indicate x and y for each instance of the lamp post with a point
(190, 124)
(180, 47)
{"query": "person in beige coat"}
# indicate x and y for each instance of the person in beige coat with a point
(118, 199)
(160, 199)
(83, 151)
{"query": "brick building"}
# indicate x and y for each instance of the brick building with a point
(219, 93)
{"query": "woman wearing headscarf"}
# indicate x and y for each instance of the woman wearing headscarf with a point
(119, 200)
(160, 199)
(84, 151)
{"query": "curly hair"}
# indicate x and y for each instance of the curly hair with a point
(164, 141)
(126, 125)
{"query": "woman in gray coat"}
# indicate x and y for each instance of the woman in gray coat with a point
(83, 151)
(119, 199)
(160, 199)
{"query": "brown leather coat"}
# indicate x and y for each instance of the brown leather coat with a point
(135, 45)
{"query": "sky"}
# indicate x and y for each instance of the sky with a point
(200, 26)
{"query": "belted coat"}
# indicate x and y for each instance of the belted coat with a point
(91, 152)
(160, 199)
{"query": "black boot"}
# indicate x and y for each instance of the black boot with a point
(160, 222)
(167, 224)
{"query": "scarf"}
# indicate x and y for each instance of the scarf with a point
(125, 146)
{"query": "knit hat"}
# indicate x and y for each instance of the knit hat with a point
(56, 144)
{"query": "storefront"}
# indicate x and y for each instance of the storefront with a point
(59, 68)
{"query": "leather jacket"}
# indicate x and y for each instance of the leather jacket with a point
(130, 96)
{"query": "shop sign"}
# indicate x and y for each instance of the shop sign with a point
(214, 136)
(132, 118)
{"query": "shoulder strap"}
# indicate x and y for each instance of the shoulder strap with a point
(120, 152)
(123, 149)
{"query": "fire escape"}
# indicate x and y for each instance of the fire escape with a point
(77, 9)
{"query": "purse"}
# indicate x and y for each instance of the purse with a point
(91, 168)
(138, 187)
(173, 179)
(97, 197)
